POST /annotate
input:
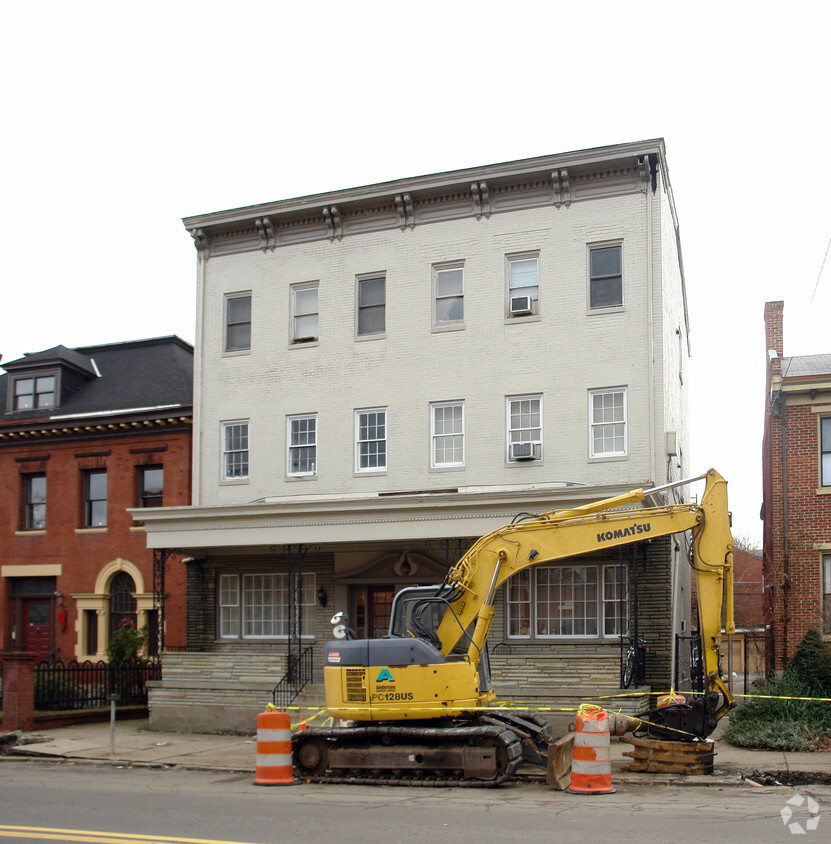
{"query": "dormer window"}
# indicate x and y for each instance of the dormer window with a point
(34, 392)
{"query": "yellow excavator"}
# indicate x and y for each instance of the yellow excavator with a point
(414, 708)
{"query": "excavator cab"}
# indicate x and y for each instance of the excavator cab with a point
(417, 612)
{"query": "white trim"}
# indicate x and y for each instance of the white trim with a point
(625, 422)
(433, 408)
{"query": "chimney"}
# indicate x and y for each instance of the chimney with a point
(773, 334)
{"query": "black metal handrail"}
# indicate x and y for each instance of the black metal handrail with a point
(300, 673)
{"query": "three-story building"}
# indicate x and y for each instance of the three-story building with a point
(384, 373)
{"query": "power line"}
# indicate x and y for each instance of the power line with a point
(820, 272)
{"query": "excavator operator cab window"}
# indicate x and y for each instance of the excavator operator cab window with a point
(428, 613)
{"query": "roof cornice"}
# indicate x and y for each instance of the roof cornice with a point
(553, 180)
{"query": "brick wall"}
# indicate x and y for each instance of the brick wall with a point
(78, 555)
(797, 509)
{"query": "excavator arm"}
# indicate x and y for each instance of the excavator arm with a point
(556, 535)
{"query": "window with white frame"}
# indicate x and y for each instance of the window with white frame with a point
(372, 304)
(826, 594)
(260, 606)
(237, 322)
(234, 450)
(450, 294)
(524, 428)
(615, 601)
(519, 605)
(371, 440)
(607, 422)
(304, 312)
(229, 606)
(560, 602)
(302, 445)
(605, 277)
(523, 285)
(825, 450)
(447, 421)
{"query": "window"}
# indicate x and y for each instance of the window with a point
(448, 434)
(302, 445)
(304, 311)
(229, 606)
(607, 426)
(825, 451)
(826, 593)
(95, 499)
(235, 450)
(605, 278)
(567, 602)
(371, 440)
(35, 504)
(615, 601)
(151, 485)
(450, 294)
(256, 606)
(519, 606)
(524, 427)
(34, 393)
(238, 322)
(372, 298)
(523, 286)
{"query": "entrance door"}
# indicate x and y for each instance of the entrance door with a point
(37, 626)
(378, 610)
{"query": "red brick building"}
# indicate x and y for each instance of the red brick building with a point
(86, 434)
(796, 457)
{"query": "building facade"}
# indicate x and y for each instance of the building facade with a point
(385, 373)
(796, 459)
(85, 434)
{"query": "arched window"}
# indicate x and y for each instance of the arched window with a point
(122, 600)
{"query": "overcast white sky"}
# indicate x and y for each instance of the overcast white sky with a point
(122, 119)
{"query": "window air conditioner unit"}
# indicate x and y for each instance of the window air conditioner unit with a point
(521, 305)
(525, 451)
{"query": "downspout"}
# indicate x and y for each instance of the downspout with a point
(199, 350)
(786, 579)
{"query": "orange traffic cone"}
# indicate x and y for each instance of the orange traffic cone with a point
(302, 725)
(273, 749)
(591, 767)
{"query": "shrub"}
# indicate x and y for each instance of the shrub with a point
(785, 720)
(125, 644)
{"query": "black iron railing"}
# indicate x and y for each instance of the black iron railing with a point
(88, 685)
(300, 673)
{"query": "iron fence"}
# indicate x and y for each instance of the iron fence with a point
(689, 666)
(87, 685)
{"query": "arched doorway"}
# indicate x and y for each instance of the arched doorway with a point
(122, 601)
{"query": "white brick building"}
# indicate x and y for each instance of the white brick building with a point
(386, 372)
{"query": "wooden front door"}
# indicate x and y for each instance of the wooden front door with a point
(37, 626)
(378, 610)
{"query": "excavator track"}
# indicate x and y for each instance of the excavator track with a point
(471, 753)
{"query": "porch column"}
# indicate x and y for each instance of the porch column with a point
(18, 689)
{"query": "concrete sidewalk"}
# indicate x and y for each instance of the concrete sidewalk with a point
(133, 744)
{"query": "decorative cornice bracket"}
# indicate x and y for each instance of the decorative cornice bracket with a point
(405, 211)
(265, 228)
(481, 200)
(333, 222)
(561, 188)
(202, 243)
